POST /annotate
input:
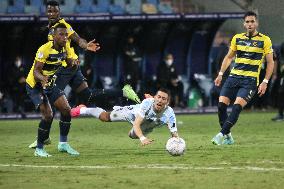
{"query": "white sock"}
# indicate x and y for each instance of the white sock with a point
(96, 112)
(220, 135)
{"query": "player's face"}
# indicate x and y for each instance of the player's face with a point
(60, 36)
(161, 101)
(52, 13)
(250, 24)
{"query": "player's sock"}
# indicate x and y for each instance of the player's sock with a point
(96, 112)
(232, 119)
(64, 125)
(43, 132)
(222, 113)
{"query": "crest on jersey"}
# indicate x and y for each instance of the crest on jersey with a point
(254, 44)
(40, 55)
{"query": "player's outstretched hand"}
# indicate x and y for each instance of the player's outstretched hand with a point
(146, 141)
(262, 88)
(218, 80)
(93, 46)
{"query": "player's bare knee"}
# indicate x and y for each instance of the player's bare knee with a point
(105, 116)
(65, 111)
(47, 116)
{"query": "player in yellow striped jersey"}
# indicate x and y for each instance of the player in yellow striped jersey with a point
(249, 50)
(69, 75)
(43, 92)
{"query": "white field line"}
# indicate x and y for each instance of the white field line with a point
(150, 166)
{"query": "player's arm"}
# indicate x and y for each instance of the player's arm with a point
(269, 70)
(39, 77)
(72, 58)
(137, 129)
(225, 64)
(91, 46)
(172, 125)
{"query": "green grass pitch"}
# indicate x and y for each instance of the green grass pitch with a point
(109, 159)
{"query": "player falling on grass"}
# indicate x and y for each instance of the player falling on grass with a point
(250, 49)
(144, 117)
(73, 76)
(44, 93)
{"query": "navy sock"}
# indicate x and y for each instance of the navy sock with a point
(64, 125)
(43, 132)
(222, 113)
(232, 119)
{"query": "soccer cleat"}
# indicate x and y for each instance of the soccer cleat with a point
(217, 140)
(41, 153)
(75, 112)
(129, 93)
(228, 140)
(65, 147)
(34, 144)
(278, 118)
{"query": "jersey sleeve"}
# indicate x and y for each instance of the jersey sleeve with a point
(70, 51)
(233, 46)
(144, 107)
(70, 30)
(172, 121)
(42, 54)
(267, 46)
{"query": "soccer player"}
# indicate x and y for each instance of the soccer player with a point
(249, 50)
(44, 93)
(144, 117)
(69, 75)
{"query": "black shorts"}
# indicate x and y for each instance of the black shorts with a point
(39, 96)
(69, 76)
(243, 87)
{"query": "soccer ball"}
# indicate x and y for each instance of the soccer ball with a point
(175, 146)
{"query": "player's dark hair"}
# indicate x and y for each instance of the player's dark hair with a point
(250, 13)
(61, 25)
(165, 91)
(52, 3)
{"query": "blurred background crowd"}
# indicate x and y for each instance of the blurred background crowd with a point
(183, 55)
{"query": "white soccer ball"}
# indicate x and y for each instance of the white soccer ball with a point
(175, 146)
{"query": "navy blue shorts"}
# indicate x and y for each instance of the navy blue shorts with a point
(39, 96)
(239, 87)
(71, 76)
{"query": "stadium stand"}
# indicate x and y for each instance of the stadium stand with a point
(3, 6)
(165, 7)
(133, 7)
(117, 7)
(16, 7)
(84, 6)
(100, 6)
(68, 6)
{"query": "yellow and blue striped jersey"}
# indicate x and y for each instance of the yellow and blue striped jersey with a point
(52, 60)
(250, 53)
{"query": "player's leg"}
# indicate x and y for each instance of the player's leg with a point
(62, 105)
(244, 95)
(44, 129)
(227, 93)
(41, 102)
